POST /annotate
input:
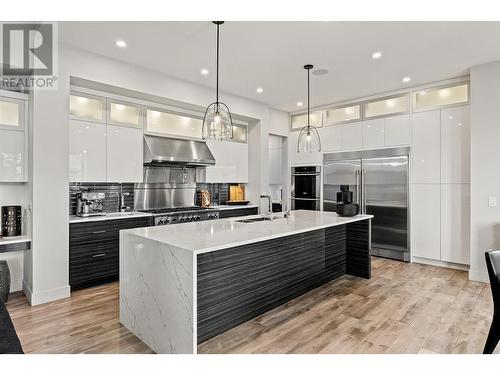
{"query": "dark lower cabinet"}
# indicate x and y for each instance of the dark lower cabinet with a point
(94, 250)
(224, 214)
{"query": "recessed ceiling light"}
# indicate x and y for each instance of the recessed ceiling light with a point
(121, 43)
(204, 72)
(376, 55)
(260, 90)
(300, 104)
(320, 72)
(406, 79)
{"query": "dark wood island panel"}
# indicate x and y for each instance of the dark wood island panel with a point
(240, 283)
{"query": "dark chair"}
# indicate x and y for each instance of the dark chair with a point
(9, 342)
(493, 264)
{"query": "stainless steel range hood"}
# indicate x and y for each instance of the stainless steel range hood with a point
(161, 150)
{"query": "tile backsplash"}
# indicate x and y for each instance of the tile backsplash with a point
(219, 194)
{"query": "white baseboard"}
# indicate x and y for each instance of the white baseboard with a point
(440, 263)
(49, 295)
(27, 291)
(479, 276)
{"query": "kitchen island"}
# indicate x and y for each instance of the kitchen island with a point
(183, 284)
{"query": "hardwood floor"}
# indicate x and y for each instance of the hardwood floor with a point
(403, 308)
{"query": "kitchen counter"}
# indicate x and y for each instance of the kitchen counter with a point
(206, 236)
(108, 216)
(183, 284)
(14, 243)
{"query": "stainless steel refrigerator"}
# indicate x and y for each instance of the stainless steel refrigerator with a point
(379, 182)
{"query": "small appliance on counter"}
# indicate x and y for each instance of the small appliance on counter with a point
(345, 207)
(205, 199)
(90, 204)
(11, 221)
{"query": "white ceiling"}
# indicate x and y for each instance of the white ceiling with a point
(271, 55)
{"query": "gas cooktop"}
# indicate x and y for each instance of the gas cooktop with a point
(176, 215)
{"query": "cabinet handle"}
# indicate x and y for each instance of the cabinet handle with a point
(99, 255)
(99, 231)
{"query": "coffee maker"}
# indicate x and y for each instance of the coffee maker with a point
(90, 204)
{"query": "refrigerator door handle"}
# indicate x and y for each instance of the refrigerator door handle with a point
(363, 189)
(357, 186)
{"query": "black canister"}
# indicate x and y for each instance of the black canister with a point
(11, 221)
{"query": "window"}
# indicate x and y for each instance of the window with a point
(343, 114)
(299, 121)
(170, 123)
(126, 114)
(441, 97)
(387, 106)
(9, 113)
(87, 108)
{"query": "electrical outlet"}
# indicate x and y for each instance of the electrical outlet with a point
(492, 201)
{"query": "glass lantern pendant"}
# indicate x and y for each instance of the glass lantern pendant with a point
(309, 139)
(217, 122)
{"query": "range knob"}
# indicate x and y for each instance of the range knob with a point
(198, 217)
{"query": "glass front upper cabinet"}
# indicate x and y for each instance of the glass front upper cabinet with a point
(11, 114)
(85, 107)
(343, 114)
(441, 97)
(172, 123)
(122, 113)
(386, 107)
(239, 133)
(299, 121)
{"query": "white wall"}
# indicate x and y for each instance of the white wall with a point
(485, 165)
(46, 265)
(15, 194)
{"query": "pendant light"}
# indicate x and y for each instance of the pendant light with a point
(217, 122)
(309, 139)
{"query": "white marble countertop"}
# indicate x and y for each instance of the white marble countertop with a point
(16, 239)
(207, 236)
(108, 216)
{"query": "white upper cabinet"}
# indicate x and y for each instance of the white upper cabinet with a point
(397, 130)
(455, 223)
(12, 156)
(231, 162)
(302, 158)
(426, 133)
(123, 113)
(426, 221)
(455, 145)
(387, 106)
(331, 138)
(352, 136)
(441, 96)
(373, 133)
(343, 114)
(124, 156)
(87, 151)
(87, 107)
(13, 138)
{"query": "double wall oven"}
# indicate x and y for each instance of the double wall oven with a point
(306, 188)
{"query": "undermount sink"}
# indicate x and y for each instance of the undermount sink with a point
(255, 219)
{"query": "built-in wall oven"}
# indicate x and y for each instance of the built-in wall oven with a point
(306, 185)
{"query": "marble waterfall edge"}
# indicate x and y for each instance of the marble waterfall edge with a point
(156, 293)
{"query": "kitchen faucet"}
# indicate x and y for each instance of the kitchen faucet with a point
(270, 200)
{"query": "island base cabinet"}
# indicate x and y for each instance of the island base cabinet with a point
(237, 284)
